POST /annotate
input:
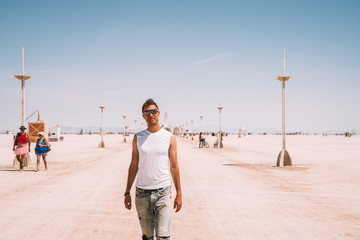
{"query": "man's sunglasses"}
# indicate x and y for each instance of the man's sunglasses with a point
(152, 111)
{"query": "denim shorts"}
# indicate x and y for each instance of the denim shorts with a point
(154, 212)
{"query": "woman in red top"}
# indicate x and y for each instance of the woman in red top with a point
(21, 149)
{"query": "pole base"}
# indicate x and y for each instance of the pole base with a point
(284, 159)
(101, 144)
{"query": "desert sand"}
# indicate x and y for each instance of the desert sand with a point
(230, 193)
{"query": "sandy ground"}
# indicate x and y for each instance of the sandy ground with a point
(230, 193)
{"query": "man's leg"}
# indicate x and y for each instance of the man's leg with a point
(144, 208)
(163, 214)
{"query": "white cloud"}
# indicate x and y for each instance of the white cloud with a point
(214, 58)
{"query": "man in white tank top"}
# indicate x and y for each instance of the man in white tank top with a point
(154, 157)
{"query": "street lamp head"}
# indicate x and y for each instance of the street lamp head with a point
(283, 78)
(22, 77)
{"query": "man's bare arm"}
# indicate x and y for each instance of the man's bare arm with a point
(133, 169)
(175, 173)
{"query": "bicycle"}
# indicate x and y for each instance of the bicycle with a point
(204, 143)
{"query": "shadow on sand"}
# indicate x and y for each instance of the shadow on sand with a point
(16, 170)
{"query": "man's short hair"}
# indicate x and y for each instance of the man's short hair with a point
(149, 102)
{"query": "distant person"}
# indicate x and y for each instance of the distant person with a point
(20, 146)
(201, 140)
(41, 150)
(154, 157)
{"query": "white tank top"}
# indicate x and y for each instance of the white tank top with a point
(154, 170)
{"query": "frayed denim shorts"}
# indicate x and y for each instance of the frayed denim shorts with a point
(154, 212)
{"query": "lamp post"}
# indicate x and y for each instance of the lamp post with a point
(102, 144)
(201, 118)
(192, 129)
(124, 129)
(220, 145)
(284, 156)
(22, 77)
(135, 125)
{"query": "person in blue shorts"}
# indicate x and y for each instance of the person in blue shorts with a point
(41, 150)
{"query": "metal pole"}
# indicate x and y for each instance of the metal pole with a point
(124, 129)
(22, 102)
(201, 117)
(284, 156)
(219, 128)
(220, 145)
(219, 120)
(283, 105)
(102, 144)
(23, 73)
(283, 117)
(101, 130)
(22, 78)
(23, 93)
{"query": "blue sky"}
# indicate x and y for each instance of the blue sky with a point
(190, 56)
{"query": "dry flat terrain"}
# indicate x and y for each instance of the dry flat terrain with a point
(230, 193)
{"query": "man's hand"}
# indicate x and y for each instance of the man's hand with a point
(127, 201)
(13, 148)
(178, 203)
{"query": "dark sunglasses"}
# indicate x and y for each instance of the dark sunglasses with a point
(152, 111)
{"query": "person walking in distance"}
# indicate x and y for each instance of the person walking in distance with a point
(41, 150)
(154, 158)
(20, 148)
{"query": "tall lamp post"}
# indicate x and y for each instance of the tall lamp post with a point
(124, 129)
(220, 145)
(192, 130)
(22, 77)
(102, 144)
(201, 118)
(187, 130)
(284, 156)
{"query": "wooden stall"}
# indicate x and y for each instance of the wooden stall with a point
(34, 128)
